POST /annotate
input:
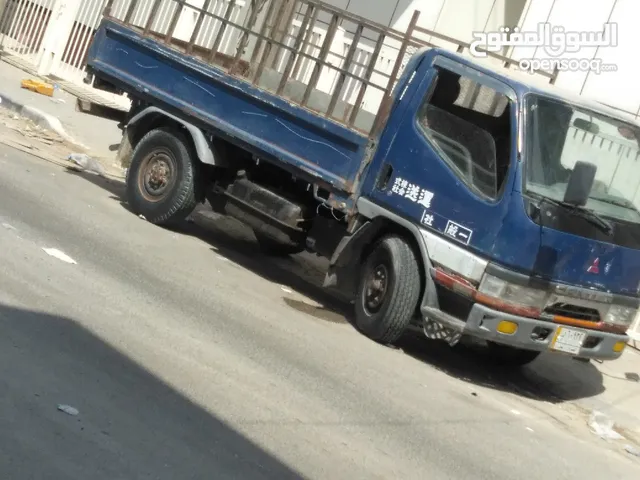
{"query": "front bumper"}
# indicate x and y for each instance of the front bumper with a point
(534, 334)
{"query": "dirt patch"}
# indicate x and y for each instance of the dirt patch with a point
(23, 134)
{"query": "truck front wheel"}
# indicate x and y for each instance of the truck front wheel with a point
(388, 290)
(161, 181)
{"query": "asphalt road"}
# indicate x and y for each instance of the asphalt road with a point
(190, 355)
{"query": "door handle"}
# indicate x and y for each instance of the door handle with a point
(385, 176)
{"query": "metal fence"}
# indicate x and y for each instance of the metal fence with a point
(23, 26)
(85, 23)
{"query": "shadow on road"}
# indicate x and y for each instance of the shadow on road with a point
(552, 378)
(301, 273)
(113, 186)
(130, 425)
(235, 242)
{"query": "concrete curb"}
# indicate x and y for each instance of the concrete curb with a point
(39, 117)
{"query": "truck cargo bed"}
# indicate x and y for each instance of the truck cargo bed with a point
(206, 95)
(241, 78)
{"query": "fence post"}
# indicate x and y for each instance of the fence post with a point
(56, 35)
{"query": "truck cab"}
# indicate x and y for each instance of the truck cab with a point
(525, 199)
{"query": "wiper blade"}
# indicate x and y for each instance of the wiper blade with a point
(591, 217)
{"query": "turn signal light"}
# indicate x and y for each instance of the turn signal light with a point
(619, 346)
(508, 328)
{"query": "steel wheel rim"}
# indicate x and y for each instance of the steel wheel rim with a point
(376, 286)
(157, 175)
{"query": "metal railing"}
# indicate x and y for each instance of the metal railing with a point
(277, 37)
(23, 25)
(73, 58)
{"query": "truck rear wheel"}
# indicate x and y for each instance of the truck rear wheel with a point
(161, 181)
(511, 357)
(388, 290)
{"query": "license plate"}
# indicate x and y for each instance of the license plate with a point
(568, 340)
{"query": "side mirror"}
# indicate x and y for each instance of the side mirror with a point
(586, 125)
(580, 184)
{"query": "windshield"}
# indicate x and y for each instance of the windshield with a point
(559, 135)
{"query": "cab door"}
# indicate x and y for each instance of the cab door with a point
(447, 161)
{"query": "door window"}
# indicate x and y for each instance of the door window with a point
(469, 124)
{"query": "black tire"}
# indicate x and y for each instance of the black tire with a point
(178, 198)
(271, 247)
(510, 357)
(393, 264)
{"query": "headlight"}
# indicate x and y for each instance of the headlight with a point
(509, 292)
(511, 297)
(620, 316)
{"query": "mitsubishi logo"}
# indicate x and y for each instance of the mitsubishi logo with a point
(595, 267)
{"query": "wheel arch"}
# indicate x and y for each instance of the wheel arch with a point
(382, 222)
(207, 151)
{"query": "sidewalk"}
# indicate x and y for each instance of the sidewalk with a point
(97, 134)
(620, 399)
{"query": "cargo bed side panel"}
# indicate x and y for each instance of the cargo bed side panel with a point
(209, 97)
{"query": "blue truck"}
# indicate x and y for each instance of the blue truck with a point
(474, 202)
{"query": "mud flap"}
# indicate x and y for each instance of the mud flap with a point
(437, 331)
